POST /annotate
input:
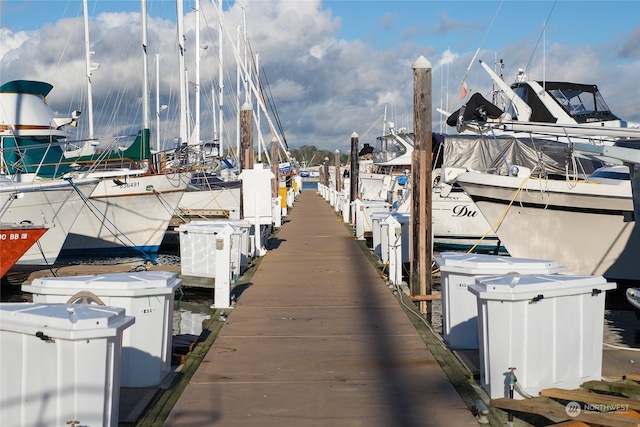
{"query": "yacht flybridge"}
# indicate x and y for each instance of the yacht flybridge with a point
(567, 111)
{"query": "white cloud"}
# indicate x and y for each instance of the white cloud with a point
(10, 42)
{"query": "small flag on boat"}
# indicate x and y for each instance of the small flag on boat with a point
(463, 95)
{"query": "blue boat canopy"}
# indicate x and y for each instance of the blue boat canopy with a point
(27, 86)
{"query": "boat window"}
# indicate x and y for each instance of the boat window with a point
(574, 101)
(583, 105)
(600, 104)
(539, 112)
(387, 148)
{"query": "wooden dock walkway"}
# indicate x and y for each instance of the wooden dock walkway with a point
(318, 339)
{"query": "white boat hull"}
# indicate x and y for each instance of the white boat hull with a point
(130, 218)
(458, 223)
(585, 227)
(53, 201)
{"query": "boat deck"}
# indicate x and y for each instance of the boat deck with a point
(317, 339)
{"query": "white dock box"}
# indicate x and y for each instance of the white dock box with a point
(198, 240)
(377, 226)
(548, 327)
(242, 245)
(363, 212)
(60, 363)
(146, 295)
(393, 242)
(459, 307)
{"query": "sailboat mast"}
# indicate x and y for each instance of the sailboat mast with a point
(238, 92)
(220, 83)
(145, 68)
(182, 73)
(196, 130)
(247, 71)
(158, 108)
(87, 55)
(239, 63)
(260, 138)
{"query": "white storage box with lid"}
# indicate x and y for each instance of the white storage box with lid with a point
(198, 247)
(548, 327)
(243, 244)
(362, 215)
(459, 307)
(377, 226)
(60, 363)
(391, 243)
(146, 295)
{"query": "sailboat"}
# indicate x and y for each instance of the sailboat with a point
(128, 214)
(214, 190)
(209, 194)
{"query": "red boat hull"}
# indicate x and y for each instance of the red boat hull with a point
(15, 240)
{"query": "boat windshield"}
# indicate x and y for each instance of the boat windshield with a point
(583, 102)
(387, 148)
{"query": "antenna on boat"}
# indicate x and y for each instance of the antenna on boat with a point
(384, 122)
(542, 33)
(544, 55)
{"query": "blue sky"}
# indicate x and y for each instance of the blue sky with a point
(385, 23)
(353, 56)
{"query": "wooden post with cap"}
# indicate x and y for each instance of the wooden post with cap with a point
(337, 165)
(353, 173)
(275, 183)
(421, 235)
(246, 137)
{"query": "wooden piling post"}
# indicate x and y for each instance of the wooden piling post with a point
(246, 137)
(275, 183)
(421, 235)
(353, 172)
(326, 173)
(337, 164)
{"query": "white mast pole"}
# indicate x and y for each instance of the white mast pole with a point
(145, 68)
(213, 122)
(238, 76)
(196, 130)
(220, 83)
(87, 55)
(247, 73)
(158, 106)
(260, 138)
(182, 73)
